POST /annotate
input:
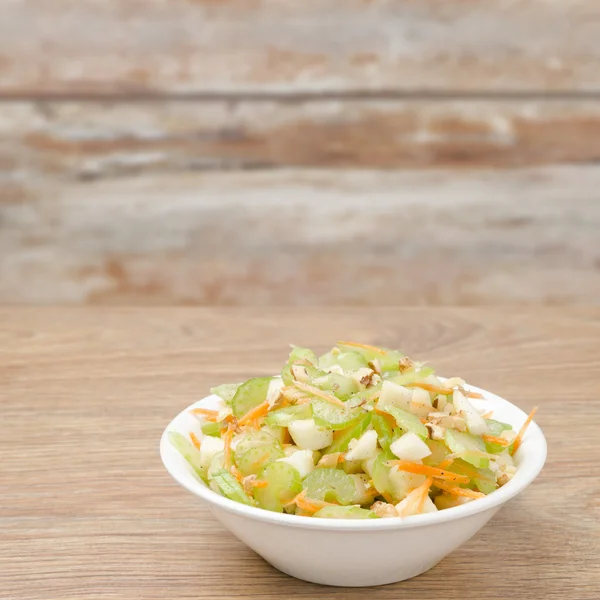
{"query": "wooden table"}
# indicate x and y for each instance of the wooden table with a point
(88, 511)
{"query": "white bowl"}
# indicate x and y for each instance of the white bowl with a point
(352, 553)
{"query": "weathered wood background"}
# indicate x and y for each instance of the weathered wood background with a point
(281, 152)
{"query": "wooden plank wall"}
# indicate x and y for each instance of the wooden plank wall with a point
(281, 152)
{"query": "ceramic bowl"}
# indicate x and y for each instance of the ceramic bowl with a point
(355, 553)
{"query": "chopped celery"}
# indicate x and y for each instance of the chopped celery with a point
(249, 395)
(253, 440)
(252, 460)
(497, 427)
(282, 417)
(342, 438)
(381, 472)
(481, 479)
(412, 376)
(385, 433)
(331, 485)
(439, 452)
(230, 488)
(283, 484)
(388, 360)
(226, 391)
(343, 387)
(213, 429)
(188, 451)
(299, 353)
(407, 420)
(345, 512)
(470, 448)
(329, 416)
(351, 361)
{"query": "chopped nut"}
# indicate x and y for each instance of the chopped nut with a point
(384, 510)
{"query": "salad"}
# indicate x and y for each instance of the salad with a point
(358, 433)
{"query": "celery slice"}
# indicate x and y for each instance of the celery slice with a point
(230, 488)
(345, 512)
(188, 451)
(485, 481)
(225, 391)
(497, 427)
(412, 376)
(390, 361)
(282, 417)
(331, 485)
(381, 472)
(407, 420)
(468, 447)
(249, 395)
(329, 416)
(385, 433)
(299, 353)
(253, 440)
(213, 429)
(283, 484)
(343, 437)
(252, 460)
(343, 387)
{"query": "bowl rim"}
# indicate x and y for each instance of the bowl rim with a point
(530, 457)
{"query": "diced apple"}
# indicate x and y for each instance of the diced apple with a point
(308, 436)
(476, 424)
(396, 395)
(410, 447)
(363, 448)
(302, 461)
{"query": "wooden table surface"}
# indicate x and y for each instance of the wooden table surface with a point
(88, 511)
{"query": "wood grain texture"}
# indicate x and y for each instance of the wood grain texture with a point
(304, 237)
(203, 46)
(85, 140)
(88, 511)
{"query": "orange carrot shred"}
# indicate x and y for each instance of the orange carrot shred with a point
(210, 415)
(259, 484)
(419, 469)
(475, 395)
(455, 490)
(255, 413)
(388, 497)
(522, 431)
(445, 463)
(493, 439)
(195, 440)
(364, 347)
(488, 415)
(423, 493)
(227, 437)
(430, 387)
(234, 471)
(319, 393)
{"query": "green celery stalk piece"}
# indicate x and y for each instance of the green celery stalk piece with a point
(331, 485)
(230, 487)
(381, 472)
(345, 512)
(341, 386)
(412, 376)
(252, 460)
(468, 447)
(283, 484)
(329, 416)
(282, 417)
(188, 451)
(407, 420)
(343, 437)
(249, 395)
(225, 391)
(385, 433)
(212, 429)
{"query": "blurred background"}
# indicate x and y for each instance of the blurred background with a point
(299, 152)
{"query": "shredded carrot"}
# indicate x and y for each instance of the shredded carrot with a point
(455, 490)
(303, 362)
(260, 460)
(389, 418)
(259, 484)
(319, 393)
(364, 347)
(522, 431)
(210, 415)
(227, 437)
(423, 493)
(475, 395)
(488, 415)
(411, 467)
(255, 413)
(195, 440)
(234, 471)
(445, 463)
(307, 504)
(423, 420)
(493, 439)
(430, 387)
